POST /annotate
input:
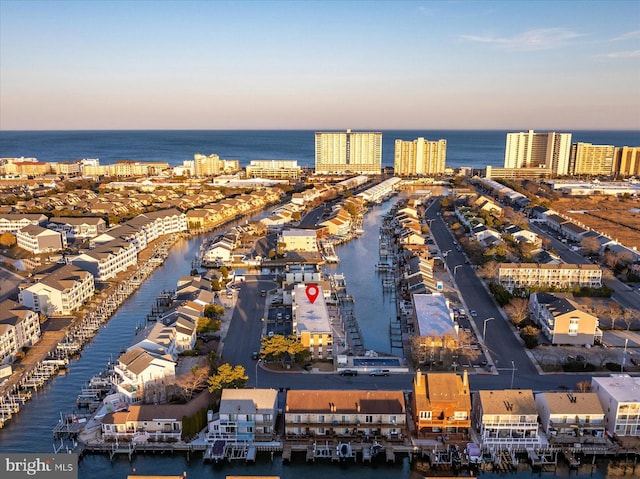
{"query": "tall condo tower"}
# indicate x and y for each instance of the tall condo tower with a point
(627, 161)
(588, 159)
(538, 150)
(420, 157)
(349, 152)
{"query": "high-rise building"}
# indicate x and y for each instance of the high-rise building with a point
(420, 157)
(206, 165)
(277, 169)
(538, 150)
(627, 161)
(588, 159)
(348, 152)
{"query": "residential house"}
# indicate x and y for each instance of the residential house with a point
(19, 327)
(562, 320)
(245, 415)
(36, 239)
(141, 423)
(620, 398)
(569, 417)
(349, 414)
(506, 419)
(157, 339)
(61, 291)
(441, 405)
(141, 375)
(299, 240)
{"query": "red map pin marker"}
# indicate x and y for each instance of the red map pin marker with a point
(312, 292)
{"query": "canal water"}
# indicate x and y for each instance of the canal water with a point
(31, 429)
(374, 307)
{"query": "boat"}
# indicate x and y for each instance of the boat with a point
(344, 451)
(383, 267)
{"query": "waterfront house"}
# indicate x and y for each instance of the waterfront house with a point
(61, 291)
(36, 240)
(19, 327)
(298, 240)
(14, 222)
(619, 395)
(83, 227)
(140, 423)
(506, 419)
(245, 415)
(107, 260)
(311, 323)
(141, 375)
(441, 405)
(562, 320)
(157, 339)
(522, 275)
(323, 414)
(569, 417)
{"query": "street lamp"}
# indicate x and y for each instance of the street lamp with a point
(484, 328)
(513, 372)
(257, 362)
(455, 268)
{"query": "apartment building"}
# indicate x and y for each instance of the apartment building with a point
(570, 417)
(299, 240)
(562, 320)
(156, 422)
(627, 161)
(108, 259)
(36, 240)
(19, 327)
(506, 419)
(441, 405)
(348, 152)
(549, 150)
(311, 323)
(80, 227)
(588, 159)
(62, 291)
(419, 157)
(620, 398)
(350, 414)
(523, 275)
(14, 222)
(245, 415)
(274, 169)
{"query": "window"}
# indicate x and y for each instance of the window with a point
(297, 418)
(321, 418)
(425, 415)
(368, 419)
(573, 326)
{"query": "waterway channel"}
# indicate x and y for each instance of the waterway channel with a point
(31, 430)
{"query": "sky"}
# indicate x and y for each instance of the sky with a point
(83, 65)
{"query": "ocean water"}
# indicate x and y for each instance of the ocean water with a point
(473, 148)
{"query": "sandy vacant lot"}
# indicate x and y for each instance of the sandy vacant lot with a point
(618, 218)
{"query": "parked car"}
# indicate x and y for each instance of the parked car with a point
(263, 292)
(474, 313)
(379, 372)
(348, 372)
(254, 355)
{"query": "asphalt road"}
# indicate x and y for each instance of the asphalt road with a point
(243, 336)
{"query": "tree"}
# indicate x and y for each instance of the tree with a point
(7, 240)
(224, 271)
(227, 377)
(518, 310)
(195, 380)
(213, 311)
(529, 334)
(208, 325)
(590, 245)
(489, 270)
(279, 347)
(215, 285)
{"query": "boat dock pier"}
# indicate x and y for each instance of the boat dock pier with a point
(56, 347)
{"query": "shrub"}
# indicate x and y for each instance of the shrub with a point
(577, 367)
